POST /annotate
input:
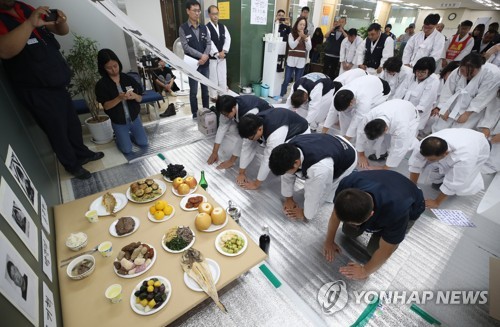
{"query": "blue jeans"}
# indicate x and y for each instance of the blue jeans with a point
(124, 134)
(193, 91)
(289, 72)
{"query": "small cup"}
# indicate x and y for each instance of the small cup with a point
(105, 248)
(92, 216)
(114, 293)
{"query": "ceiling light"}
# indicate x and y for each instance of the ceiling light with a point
(426, 8)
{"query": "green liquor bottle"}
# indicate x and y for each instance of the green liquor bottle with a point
(203, 181)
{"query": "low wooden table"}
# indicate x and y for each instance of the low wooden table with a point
(83, 302)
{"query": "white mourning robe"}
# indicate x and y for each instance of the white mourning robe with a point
(419, 46)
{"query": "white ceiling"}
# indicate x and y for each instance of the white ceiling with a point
(449, 4)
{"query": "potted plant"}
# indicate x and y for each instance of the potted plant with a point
(82, 59)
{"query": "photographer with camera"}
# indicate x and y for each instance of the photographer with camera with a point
(40, 76)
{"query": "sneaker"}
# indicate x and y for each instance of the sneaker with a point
(382, 157)
(172, 93)
(94, 157)
(81, 173)
(170, 111)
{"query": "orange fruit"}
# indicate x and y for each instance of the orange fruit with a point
(168, 210)
(152, 210)
(159, 205)
(159, 215)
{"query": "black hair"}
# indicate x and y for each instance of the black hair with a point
(305, 9)
(225, 103)
(433, 146)
(9, 269)
(210, 8)
(388, 25)
(336, 86)
(103, 57)
(353, 205)
(295, 30)
(432, 19)
(352, 31)
(393, 64)
(297, 99)
(280, 10)
(425, 63)
(493, 27)
(471, 61)
(374, 27)
(282, 158)
(375, 128)
(480, 28)
(467, 23)
(452, 65)
(248, 125)
(343, 99)
(191, 3)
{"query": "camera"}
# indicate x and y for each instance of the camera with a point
(52, 16)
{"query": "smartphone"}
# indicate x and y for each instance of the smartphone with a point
(52, 16)
(282, 19)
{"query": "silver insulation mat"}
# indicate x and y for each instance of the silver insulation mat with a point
(434, 256)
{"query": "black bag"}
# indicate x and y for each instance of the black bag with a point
(170, 111)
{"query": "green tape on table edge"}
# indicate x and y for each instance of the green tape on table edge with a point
(275, 281)
(367, 313)
(427, 317)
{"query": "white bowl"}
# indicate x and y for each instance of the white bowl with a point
(79, 246)
(76, 261)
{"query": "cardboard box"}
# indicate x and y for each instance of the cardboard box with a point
(207, 121)
(494, 291)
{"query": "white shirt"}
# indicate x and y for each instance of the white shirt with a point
(491, 117)
(297, 62)
(319, 176)
(227, 40)
(249, 149)
(466, 148)
(350, 75)
(316, 96)
(419, 46)
(225, 122)
(465, 51)
(367, 94)
(397, 79)
(348, 50)
(458, 96)
(402, 120)
(387, 52)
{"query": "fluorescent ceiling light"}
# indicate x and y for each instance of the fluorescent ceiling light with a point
(366, 9)
(395, 1)
(413, 4)
(426, 8)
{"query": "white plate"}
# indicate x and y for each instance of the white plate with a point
(219, 248)
(172, 251)
(142, 272)
(112, 227)
(214, 228)
(121, 202)
(164, 281)
(167, 179)
(191, 191)
(185, 200)
(161, 185)
(214, 269)
(153, 219)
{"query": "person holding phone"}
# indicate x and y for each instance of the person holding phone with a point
(284, 24)
(40, 76)
(120, 96)
(334, 39)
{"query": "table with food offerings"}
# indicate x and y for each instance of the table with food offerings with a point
(169, 246)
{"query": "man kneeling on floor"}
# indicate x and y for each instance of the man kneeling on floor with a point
(382, 202)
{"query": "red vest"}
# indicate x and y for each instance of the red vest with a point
(456, 47)
(299, 51)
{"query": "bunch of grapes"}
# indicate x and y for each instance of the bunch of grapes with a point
(173, 171)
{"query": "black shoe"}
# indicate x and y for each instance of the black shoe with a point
(195, 116)
(436, 186)
(170, 111)
(81, 173)
(94, 157)
(372, 157)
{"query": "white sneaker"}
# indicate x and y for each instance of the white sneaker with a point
(172, 93)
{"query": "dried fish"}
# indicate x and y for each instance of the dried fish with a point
(194, 264)
(109, 201)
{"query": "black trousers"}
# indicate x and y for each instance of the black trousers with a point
(53, 111)
(331, 66)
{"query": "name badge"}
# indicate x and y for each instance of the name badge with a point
(32, 41)
(188, 36)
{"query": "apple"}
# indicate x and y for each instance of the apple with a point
(202, 221)
(218, 216)
(183, 189)
(205, 207)
(191, 181)
(178, 181)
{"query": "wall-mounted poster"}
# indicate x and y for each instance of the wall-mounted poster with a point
(46, 257)
(18, 282)
(258, 12)
(17, 170)
(44, 214)
(18, 218)
(49, 312)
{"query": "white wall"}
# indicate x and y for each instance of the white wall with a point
(147, 15)
(84, 20)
